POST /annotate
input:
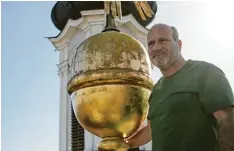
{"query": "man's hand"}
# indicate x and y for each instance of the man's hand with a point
(226, 131)
(143, 136)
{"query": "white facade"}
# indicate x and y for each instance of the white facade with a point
(76, 31)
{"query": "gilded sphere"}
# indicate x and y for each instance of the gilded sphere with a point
(111, 84)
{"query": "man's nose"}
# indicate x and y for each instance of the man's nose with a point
(157, 46)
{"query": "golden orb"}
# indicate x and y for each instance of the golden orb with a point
(110, 87)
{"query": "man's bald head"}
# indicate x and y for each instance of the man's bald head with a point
(175, 33)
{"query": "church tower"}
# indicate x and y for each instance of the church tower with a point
(78, 20)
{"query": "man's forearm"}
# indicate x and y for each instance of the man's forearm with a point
(226, 131)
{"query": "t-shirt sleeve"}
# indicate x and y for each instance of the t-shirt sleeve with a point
(216, 92)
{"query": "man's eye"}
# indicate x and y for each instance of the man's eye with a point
(163, 40)
(150, 43)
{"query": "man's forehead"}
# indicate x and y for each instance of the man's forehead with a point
(160, 30)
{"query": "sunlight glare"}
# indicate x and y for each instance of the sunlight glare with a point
(219, 22)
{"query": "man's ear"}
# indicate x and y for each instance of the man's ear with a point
(180, 44)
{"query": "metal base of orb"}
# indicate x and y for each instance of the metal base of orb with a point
(113, 144)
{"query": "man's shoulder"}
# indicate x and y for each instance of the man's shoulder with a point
(201, 63)
(205, 66)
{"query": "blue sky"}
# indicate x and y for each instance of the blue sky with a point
(30, 84)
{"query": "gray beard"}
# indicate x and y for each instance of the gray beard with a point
(170, 63)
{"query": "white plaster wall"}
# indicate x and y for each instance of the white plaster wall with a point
(78, 38)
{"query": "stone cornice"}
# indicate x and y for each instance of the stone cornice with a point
(94, 17)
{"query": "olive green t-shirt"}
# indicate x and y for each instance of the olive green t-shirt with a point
(181, 108)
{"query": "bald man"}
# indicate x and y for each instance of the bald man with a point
(190, 106)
